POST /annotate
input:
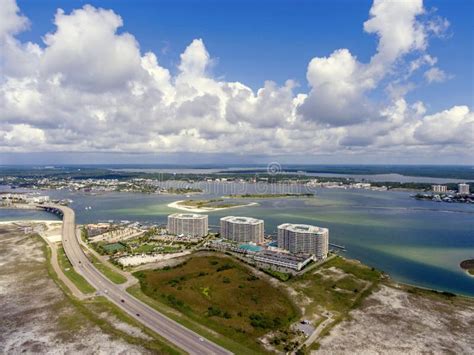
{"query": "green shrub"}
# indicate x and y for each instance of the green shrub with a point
(262, 321)
(214, 311)
(224, 267)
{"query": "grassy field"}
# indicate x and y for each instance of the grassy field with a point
(69, 271)
(223, 295)
(150, 247)
(194, 325)
(109, 248)
(338, 286)
(282, 276)
(111, 274)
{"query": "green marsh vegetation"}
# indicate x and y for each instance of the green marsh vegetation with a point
(223, 295)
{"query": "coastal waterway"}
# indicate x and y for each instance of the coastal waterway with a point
(415, 242)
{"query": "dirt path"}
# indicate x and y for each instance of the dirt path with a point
(314, 336)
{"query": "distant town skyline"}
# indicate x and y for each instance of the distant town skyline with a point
(235, 82)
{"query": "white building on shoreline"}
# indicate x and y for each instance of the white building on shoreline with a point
(242, 229)
(439, 188)
(463, 189)
(188, 224)
(303, 238)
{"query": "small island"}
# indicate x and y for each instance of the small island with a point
(207, 205)
(468, 265)
(181, 190)
(279, 195)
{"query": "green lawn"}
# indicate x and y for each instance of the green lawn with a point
(223, 295)
(112, 247)
(111, 274)
(71, 274)
(144, 248)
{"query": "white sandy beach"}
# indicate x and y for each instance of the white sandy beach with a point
(134, 260)
(52, 232)
(177, 205)
(32, 221)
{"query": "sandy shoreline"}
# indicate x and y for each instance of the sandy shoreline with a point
(29, 221)
(177, 205)
(134, 260)
(51, 233)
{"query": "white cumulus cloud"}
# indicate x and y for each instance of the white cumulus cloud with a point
(435, 75)
(88, 87)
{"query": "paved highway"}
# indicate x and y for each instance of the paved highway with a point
(182, 337)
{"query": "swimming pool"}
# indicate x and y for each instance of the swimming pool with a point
(250, 247)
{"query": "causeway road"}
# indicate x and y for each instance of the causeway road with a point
(172, 331)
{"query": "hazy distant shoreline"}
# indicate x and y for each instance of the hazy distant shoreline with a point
(437, 174)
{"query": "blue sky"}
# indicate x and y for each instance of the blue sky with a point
(255, 41)
(374, 112)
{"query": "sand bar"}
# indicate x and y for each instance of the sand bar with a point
(177, 205)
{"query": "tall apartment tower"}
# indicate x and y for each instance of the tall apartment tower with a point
(303, 238)
(242, 229)
(189, 224)
(463, 189)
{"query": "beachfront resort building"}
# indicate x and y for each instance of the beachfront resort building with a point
(242, 229)
(282, 261)
(439, 189)
(463, 189)
(188, 224)
(303, 238)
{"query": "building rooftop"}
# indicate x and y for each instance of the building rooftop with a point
(302, 228)
(188, 215)
(292, 258)
(242, 220)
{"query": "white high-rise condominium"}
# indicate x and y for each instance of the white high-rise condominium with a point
(439, 188)
(463, 189)
(242, 229)
(303, 238)
(188, 224)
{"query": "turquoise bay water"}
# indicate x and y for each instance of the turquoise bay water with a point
(417, 242)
